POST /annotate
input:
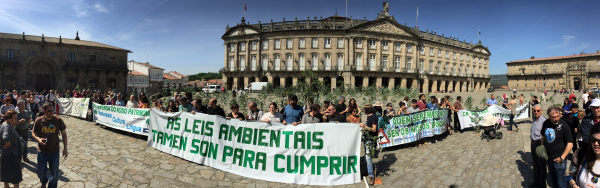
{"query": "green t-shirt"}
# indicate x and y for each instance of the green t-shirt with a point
(187, 108)
(25, 115)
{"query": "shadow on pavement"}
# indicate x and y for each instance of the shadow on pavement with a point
(524, 168)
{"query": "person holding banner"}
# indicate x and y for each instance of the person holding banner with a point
(293, 113)
(197, 106)
(254, 114)
(235, 113)
(272, 115)
(313, 115)
(185, 106)
(132, 103)
(371, 126)
(213, 109)
(491, 101)
(456, 108)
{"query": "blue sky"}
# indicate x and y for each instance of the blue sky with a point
(185, 35)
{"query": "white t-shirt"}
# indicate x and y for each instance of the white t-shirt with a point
(586, 178)
(585, 97)
(273, 118)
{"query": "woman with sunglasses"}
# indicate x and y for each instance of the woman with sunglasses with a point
(353, 117)
(588, 169)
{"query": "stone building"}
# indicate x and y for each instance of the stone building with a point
(39, 62)
(353, 52)
(562, 72)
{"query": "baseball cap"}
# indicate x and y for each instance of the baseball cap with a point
(182, 98)
(595, 103)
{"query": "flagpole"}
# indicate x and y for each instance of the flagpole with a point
(346, 9)
(244, 9)
(417, 16)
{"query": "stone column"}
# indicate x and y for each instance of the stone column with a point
(246, 81)
(434, 86)
(282, 82)
(464, 87)
(476, 86)
(403, 83)
(414, 83)
(294, 81)
(425, 85)
(457, 87)
(235, 83)
(350, 55)
(442, 86)
(366, 81)
(378, 82)
(450, 86)
(321, 79)
(334, 81)
(391, 82)
(270, 79)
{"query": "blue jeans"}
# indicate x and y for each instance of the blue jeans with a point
(43, 160)
(511, 122)
(557, 173)
(369, 160)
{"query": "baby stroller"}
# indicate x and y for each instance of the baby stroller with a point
(489, 125)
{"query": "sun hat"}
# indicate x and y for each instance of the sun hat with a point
(489, 120)
(368, 105)
(378, 103)
(595, 103)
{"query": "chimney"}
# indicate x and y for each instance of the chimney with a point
(580, 53)
(597, 51)
(532, 57)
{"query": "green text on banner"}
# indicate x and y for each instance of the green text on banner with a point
(402, 129)
(312, 154)
(127, 119)
(77, 107)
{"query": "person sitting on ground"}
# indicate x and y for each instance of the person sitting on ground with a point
(213, 109)
(335, 115)
(273, 115)
(389, 111)
(314, 115)
(235, 113)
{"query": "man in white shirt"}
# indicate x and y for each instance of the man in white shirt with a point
(50, 97)
(132, 103)
(585, 97)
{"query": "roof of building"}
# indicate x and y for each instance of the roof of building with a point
(146, 64)
(137, 73)
(554, 58)
(169, 76)
(57, 40)
(178, 74)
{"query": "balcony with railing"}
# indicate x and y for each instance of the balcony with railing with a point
(531, 73)
(9, 61)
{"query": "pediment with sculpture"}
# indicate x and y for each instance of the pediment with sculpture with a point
(385, 27)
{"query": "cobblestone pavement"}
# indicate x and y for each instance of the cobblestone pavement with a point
(103, 157)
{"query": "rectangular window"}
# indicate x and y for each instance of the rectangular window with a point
(301, 61)
(52, 54)
(288, 62)
(372, 62)
(358, 43)
(468, 58)
(93, 59)
(253, 62)
(340, 62)
(461, 70)
(453, 55)
(340, 28)
(242, 62)
(461, 58)
(253, 45)
(10, 54)
(231, 63)
(447, 54)
(302, 43)
(327, 27)
(11, 81)
(277, 44)
(421, 50)
(277, 62)
(32, 53)
(314, 61)
(231, 47)
(409, 48)
(265, 45)
(315, 27)
(265, 63)
(431, 52)
(327, 43)
(315, 43)
(408, 64)
(398, 46)
(385, 45)
(327, 61)
(113, 61)
(384, 59)
(421, 62)
(359, 64)
(289, 28)
(290, 43)
(301, 27)
(430, 66)
(243, 46)
(397, 62)
(372, 44)
(340, 43)
(439, 53)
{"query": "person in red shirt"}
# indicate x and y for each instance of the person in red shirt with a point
(421, 103)
(572, 97)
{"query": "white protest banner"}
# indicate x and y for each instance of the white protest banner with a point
(127, 119)
(77, 107)
(402, 129)
(312, 154)
(473, 118)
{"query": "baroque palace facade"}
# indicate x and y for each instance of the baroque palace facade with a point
(38, 62)
(354, 52)
(563, 72)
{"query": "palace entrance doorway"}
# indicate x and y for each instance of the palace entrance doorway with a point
(576, 83)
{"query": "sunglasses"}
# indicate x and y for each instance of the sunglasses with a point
(537, 110)
(592, 141)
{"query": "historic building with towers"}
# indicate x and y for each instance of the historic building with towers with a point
(562, 72)
(40, 62)
(355, 52)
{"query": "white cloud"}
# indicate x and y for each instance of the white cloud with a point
(82, 10)
(584, 45)
(568, 38)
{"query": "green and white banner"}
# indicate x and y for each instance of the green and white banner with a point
(402, 129)
(127, 119)
(311, 154)
(77, 107)
(473, 118)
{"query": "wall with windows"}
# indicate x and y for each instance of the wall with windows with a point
(555, 73)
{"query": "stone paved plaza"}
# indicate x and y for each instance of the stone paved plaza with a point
(104, 157)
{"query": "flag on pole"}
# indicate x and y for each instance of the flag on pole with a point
(244, 5)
